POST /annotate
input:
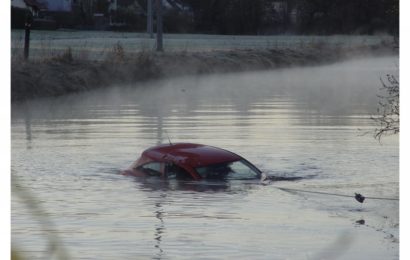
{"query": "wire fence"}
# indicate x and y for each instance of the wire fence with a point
(95, 44)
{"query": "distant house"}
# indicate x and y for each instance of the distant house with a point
(58, 5)
(90, 14)
(18, 4)
(22, 9)
(18, 14)
(35, 6)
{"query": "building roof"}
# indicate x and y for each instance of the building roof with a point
(36, 4)
(18, 4)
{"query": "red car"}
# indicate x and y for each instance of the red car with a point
(188, 161)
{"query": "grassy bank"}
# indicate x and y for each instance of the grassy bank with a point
(65, 73)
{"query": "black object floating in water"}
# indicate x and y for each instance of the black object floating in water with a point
(359, 197)
(360, 222)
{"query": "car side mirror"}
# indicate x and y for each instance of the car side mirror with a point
(264, 180)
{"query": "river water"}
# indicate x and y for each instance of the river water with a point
(301, 122)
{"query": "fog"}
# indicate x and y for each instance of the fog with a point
(342, 88)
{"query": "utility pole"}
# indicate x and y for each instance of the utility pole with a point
(150, 19)
(159, 25)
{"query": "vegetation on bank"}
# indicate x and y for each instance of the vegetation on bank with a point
(64, 73)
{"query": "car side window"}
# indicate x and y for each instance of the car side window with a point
(241, 170)
(173, 171)
(151, 169)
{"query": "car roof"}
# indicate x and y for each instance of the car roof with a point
(193, 155)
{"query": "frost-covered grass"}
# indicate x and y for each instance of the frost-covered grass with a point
(96, 44)
(64, 62)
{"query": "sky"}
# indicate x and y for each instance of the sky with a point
(5, 131)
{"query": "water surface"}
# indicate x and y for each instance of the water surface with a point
(302, 122)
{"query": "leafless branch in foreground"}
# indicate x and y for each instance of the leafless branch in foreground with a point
(388, 118)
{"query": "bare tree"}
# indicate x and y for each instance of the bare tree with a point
(388, 118)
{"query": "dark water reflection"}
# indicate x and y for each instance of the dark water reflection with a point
(302, 122)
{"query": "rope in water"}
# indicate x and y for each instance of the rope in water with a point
(334, 194)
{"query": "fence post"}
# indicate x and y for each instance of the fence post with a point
(27, 28)
(159, 25)
(149, 19)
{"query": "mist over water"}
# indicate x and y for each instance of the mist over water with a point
(299, 122)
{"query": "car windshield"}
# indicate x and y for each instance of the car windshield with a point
(237, 170)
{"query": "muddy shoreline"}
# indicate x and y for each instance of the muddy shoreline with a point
(64, 74)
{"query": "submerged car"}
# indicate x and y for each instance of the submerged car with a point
(189, 161)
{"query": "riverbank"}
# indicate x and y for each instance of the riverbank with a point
(66, 73)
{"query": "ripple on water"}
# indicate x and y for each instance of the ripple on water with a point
(67, 152)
